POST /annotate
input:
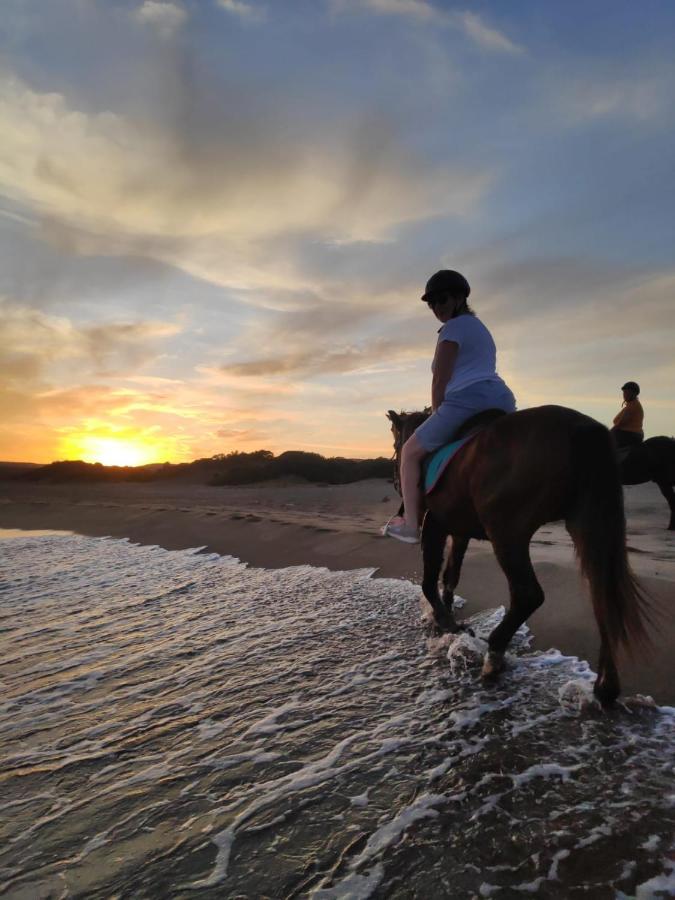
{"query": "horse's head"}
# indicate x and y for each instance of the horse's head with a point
(402, 426)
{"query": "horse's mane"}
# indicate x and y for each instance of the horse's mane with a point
(412, 418)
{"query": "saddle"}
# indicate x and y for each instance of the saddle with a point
(436, 463)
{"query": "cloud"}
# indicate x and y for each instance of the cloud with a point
(105, 185)
(29, 341)
(350, 330)
(245, 11)
(570, 330)
(469, 23)
(245, 435)
(123, 343)
(174, 419)
(416, 9)
(319, 361)
(82, 401)
(32, 341)
(638, 98)
(180, 420)
(484, 35)
(602, 298)
(164, 16)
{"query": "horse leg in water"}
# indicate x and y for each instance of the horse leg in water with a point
(513, 555)
(451, 574)
(667, 491)
(526, 597)
(433, 547)
(607, 687)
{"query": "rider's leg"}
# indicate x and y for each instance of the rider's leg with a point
(439, 429)
(459, 406)
(624, 439)
(411, 462)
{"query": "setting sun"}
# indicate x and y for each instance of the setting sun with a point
(110, 451)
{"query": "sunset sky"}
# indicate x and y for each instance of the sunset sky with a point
(217, 216)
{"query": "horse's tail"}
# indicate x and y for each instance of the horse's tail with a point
(597, 525)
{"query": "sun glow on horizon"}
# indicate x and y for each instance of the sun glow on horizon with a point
(111, 451)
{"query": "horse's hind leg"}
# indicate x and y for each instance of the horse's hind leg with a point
(451, 574)
(433, 547)
(526, 596)
(607, 687)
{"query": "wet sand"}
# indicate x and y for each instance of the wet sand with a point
(285, 524)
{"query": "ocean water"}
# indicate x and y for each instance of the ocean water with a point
(176, 724)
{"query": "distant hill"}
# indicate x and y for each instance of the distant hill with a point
(12, 469)
(222, 469)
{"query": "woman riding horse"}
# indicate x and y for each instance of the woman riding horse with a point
(629, 421)
(516, 474)
(465, 382)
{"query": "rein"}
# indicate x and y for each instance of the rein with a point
(396, 459)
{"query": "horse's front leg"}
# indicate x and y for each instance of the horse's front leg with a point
(451, 575)
(433, 548)
(669, 495)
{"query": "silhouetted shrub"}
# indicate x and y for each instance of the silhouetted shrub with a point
(222, 469)
(245, 468)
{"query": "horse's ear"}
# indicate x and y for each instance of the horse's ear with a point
(394, 418)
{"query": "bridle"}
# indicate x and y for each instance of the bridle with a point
(409, 422)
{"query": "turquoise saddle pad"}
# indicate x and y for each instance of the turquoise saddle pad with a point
(437, 462)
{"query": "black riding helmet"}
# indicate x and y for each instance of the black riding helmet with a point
(631, 386)
(446, 281)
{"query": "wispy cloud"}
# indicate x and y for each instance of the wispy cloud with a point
(416, 9)
(31, 341)
(341, 360)
(106, 185)
(640, 98)
(486, 36)
(165, 16)
(246, 11)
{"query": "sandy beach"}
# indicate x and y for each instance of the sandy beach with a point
(276, 525)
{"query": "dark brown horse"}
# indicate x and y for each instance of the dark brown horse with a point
(654, 460)
(519, 472)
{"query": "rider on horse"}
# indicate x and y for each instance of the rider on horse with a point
(465, 382)
(627, 430)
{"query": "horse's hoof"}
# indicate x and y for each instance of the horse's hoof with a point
(493, 665)
(605, 693)
(447, 625)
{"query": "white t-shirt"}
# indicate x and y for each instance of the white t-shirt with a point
(477, 354)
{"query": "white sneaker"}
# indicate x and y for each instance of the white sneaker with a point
(402, 532)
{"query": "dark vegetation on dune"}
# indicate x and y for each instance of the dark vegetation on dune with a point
(222, 469)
